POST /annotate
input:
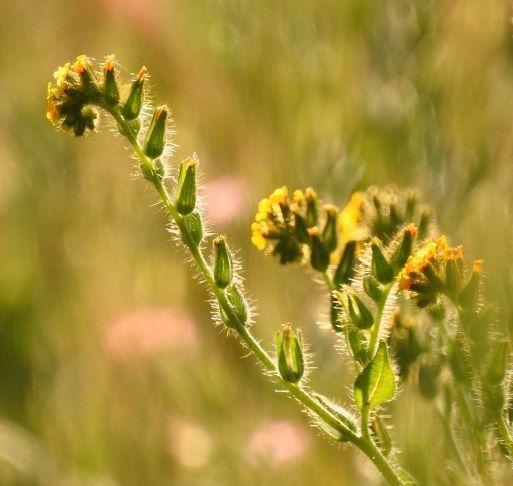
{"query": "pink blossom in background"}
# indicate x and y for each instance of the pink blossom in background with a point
(276, 443)
(225, 199)
(144, 331)
(139, 13)
(189, 443)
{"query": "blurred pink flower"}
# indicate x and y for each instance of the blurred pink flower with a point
(144, 331)
(276, 443)
(190, 443)
(138, 12)
(224, 199)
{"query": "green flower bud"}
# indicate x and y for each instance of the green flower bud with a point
(372, 288)
(110, 86)
(320, 257)
(494, 397)
(312, 210)
(289, 351)
(160, 169)
(222, 263)
(423, 225)
(185, 195)
(345, 268)
(359, 313)
(239, 306)
(334, 314)
(135, 98)
(498, 363)
(330, 233)
(194, 226)
(154, 142)
(452, 278)
(300, 229)
(382, 270)
(84, 68)
(404, 249)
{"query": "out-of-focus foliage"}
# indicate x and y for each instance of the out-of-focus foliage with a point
(110, 370)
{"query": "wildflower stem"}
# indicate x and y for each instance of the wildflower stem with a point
(379, 317)
(505, 433)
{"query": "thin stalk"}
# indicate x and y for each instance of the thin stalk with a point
(505, 433)
(379, 317)
(364, 443)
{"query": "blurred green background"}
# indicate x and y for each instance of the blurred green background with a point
(110, 370)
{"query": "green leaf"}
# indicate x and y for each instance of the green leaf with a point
(376, 383)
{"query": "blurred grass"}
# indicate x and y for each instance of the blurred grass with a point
(337, 95)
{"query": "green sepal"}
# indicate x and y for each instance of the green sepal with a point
(223, 272)
(345, 267)
(381, 269)
(357, 344)
(155, 136)
(300, 229)
(185, 194)
(239, 306)
(382, 435)
(192, 222)
(135, 99)
(469, 294)
(376, 383)
(289, 351)
(403, 250)
(110, 87)
(319, 257)
(360, 315)
(372, 288)
(312, 208)
(329, 232)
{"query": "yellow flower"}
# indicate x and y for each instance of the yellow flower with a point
(351, 218)
(61, 75)
(110, 62)
(80, 64)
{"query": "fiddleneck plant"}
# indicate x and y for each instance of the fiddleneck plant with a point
(376, 258)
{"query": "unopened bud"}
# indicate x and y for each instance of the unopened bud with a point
(345, 268)
(300, 229)
(329, 233)
(194, 227)
(135, 98)
(84, 68)
(185, 195)
(110, 86)
(154, 143)
(372, 288)
(239, 307)
(357, 344)
(359, 313)
(334, 313)
(222, 263)
(404, 249)
(381, 268)
(319, 258)
(312, 210)
(289, 351)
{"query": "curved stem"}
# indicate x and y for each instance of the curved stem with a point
(364, 443)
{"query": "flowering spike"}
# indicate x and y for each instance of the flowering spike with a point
(223, 272)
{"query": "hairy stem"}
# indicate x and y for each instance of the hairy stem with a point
(364, 443)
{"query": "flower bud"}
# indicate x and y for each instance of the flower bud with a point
(154, 142)
(289, 351)
(372, 288)
(498, 363)
(194, 227)
(345, 268)
(470, 292)
(110, 86)
(334, 314)
(185, 195)
(135, 98)
(84, 68)
(423, 225)
(319, 258)
(222, 263)
(404, 249)
(300, 229)
(312, 211)
(380, 266)
(329, 233)
(359, 313)
(239, 306)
